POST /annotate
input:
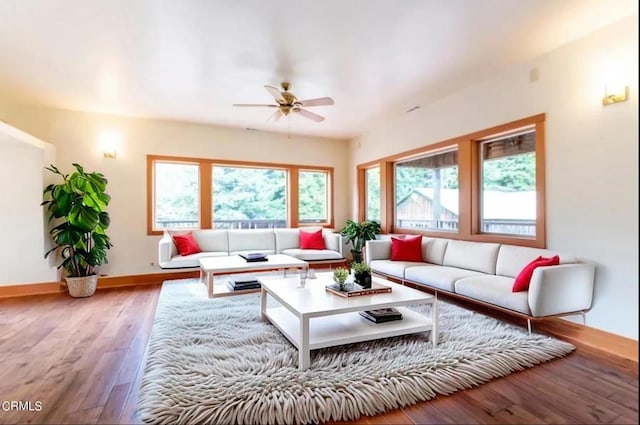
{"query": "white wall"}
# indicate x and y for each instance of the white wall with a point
(22, 222)
(76, 136)
(591, 151)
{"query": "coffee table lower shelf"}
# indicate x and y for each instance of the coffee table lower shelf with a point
(345, 328)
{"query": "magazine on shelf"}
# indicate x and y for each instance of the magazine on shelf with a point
(381, 315)
(355, 290)
(244, 279)
(254, 257)
(242, 286)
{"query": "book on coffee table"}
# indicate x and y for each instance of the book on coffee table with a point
(254, 257)
(355, 290)
(244, 278)
(238, 283)
(381, 315)
(243, 287)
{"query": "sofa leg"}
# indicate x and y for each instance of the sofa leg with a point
(529, 325)
(584, 318)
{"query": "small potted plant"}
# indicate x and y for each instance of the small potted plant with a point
(77, 207)
(340, 276)
(357, 234)
(362, 274)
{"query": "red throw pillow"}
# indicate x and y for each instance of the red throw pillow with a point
(186, 244)
(407, 249)
(524, 277)
(311, 240)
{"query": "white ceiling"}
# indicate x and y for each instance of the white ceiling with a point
(192, 59)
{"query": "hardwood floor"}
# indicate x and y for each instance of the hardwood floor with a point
(82, 360)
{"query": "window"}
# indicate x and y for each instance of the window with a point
(206, 193)
(249, 198)
(176, 195)
(486, 186)
(313, 196)
(372, 187)
(426, 191)
(509, 184)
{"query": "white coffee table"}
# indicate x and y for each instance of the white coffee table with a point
(210, 266)
(311, 318)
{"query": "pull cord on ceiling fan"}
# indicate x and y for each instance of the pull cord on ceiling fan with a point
(287, 102)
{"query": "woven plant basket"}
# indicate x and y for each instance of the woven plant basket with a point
(80, 287)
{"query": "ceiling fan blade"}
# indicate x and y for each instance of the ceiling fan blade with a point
(310, 115)
(255, 104)
(276, 116)
(276, 94)
(321, 101)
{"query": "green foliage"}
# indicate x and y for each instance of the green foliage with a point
(78, 206)
(249, 194)
(361, 268)
(340, 275)
(313, 195)
(513, 173)
(358, 234)
(177, 192)
(373, 193)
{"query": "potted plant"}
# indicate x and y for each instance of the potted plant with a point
(340, 276)
(77, 208)
(362, 274)
(357, 234)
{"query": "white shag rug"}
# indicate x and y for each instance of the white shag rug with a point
(214, 361)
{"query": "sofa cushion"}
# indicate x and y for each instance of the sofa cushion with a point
(392, 268)
(494, 290)
(311, 240)
(522, 281)
(313, 254)
(478, 256)
(286, 239)
(212, 240)
(186, 261)
(408, 248)
(186, 244)
(441, 277)
(251, 240)
(433, 250)
(512, 259)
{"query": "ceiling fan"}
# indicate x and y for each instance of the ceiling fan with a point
(287, 102)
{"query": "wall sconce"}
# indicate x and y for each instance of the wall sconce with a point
(109, 153)
(614, 94)
(109, 142)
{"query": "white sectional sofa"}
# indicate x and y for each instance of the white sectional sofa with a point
(218, 243)
(485, 273)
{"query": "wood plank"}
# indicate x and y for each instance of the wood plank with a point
(112, 410)
(88, 369)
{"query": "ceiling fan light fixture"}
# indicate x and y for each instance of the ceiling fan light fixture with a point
(287, 102)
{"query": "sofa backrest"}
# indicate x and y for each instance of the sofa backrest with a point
(478, 256)
(212, 240)
(251, 240)
(286, 239)
(512, 259)
(433, 249)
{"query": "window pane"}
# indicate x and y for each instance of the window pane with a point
(176, 195)
(249, 198)
(427, 192)
(372, 184)
(313, 196)
(509, 185)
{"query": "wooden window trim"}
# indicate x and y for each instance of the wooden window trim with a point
(468, 186)
(206, 193)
